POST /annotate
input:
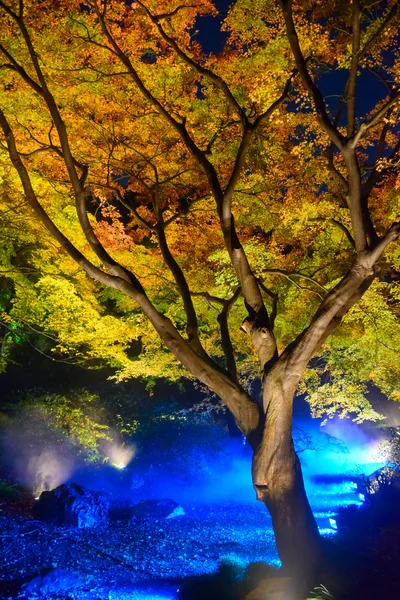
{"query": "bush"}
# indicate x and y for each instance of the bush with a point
(76, 416)
(8, 491)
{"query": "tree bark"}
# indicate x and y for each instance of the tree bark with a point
(278, 482)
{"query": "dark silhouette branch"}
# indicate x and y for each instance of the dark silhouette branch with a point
(225, 335)
(391, 14)
(382, 79)
(350, 96)
(15, 66)
(334, 171)
(377, 117)
(131, 209)
(334, 135)
(275, 298)
(192, 328)
(376, 174)
(338, 224)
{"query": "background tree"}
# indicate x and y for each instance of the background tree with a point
(197, 181)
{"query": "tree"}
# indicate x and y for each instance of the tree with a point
(198, 181)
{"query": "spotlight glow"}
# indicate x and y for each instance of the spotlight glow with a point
(120, 455)
(47, 471)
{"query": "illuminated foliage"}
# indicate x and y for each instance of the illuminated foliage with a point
(77, 416)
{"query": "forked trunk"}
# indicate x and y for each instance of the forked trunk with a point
(278, 481)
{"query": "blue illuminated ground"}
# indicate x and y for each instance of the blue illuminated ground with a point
(149, 559)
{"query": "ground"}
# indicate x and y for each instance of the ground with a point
(145, 559)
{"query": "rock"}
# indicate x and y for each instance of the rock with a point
(52, 582)
(157, 509)
(276, 588)
(71, 504)
(136, 481)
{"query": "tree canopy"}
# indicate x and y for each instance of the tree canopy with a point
(228, 194)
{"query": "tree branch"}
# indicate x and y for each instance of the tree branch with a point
(374, 120)
(392, 13)
(339, 300)
(244, 144)
(180, 127)
(354, 198)
(131, 209)
(338, 224)
(257, 325)
(71, 163)
(257, 313)
(296, 356)
(210, 298)
(334, 135)
(225, 336)
(335, 172)
(15, 66)
(192, 328)
(391, 235)
(351, 84)
(376, 174)
(382, 79)
(31, 198)
(275, 298)
(290, 275)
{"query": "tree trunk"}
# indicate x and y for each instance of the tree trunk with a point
(296, 532)
(278, 481)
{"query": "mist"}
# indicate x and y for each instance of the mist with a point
(209, 468)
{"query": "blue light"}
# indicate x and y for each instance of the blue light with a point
(361, 497)
(140, 595)
(332, 523)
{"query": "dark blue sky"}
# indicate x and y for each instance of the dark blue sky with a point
(210, 36)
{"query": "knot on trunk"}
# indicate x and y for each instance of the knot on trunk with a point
(251, 327)
(363, 266)
(261, 490)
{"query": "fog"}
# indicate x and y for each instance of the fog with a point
(40, 458)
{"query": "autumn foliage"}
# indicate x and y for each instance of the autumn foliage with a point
(289, 201)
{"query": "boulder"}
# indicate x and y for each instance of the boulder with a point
(157, 509)
(71, 504)
(53, 582)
